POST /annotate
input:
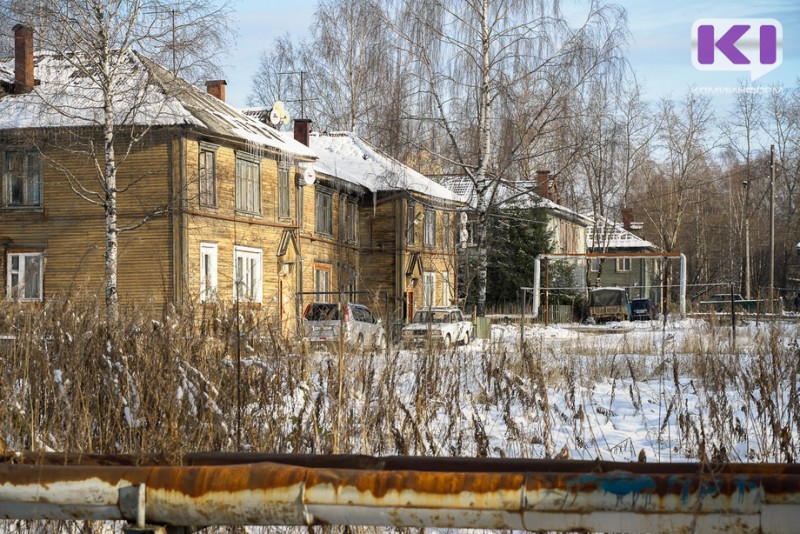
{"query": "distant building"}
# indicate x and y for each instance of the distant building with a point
(637, 273)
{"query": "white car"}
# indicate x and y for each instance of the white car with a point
(440, 325)
(322, 323)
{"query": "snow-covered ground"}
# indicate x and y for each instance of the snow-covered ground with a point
(661, 391)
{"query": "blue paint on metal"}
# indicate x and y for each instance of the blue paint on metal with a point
(744, 485)
(619, 484)
(684, 483)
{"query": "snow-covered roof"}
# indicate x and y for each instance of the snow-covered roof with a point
(520, 194)
(612, 235)
(348, 157)
(145, 94)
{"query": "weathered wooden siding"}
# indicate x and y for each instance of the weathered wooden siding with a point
(71, 231)
(160, 262)
(228, 228)
(332, 253)
(379, 244)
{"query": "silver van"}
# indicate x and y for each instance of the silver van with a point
(323, 322)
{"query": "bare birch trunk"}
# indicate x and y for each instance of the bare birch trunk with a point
(484, 155)
(110, 204)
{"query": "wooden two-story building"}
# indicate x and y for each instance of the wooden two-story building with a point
(216, 205)
(207, 195)
(395, 232)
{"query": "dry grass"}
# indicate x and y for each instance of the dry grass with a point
(173, 386)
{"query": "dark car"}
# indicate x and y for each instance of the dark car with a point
(642, 310)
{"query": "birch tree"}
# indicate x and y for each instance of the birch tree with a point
(344, 63)
(686, 144)
(97, 39)
(475, 57)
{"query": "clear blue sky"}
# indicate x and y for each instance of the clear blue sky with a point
(660, 49)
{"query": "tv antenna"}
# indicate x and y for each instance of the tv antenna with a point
(303, 99)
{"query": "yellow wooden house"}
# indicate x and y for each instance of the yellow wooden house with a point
(382, 233)
(210, 196)
(217, 205)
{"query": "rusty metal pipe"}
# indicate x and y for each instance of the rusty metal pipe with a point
(406, 492)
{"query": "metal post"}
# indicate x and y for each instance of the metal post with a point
(771, 225)
(733, 318)
(546, 291)
(537, 270)
(747, 293)
(522, 322)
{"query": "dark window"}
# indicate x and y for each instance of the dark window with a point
(299, 198)
(207, 176)
(22, 178)
(284, 210)
(248, 186)
(410, 220)
(324, 213)
(352, 221)
(429, 234)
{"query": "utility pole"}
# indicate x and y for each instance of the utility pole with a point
(746, 185)
(771, 225)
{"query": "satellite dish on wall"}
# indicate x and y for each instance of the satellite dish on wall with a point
(309, 175)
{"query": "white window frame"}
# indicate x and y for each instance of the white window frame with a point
(623, 265)
(322, 283)
(30, 177)
(20, 274)
(208, 281)
(252, 264)
(594, 265)
(445, 288)
(428, 289)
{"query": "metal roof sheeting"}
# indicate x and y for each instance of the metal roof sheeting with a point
(144, 93)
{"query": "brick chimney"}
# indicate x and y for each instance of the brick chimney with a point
(23, 59)
(216, 88)
(302, 130)
(627, 218)
(546, 186)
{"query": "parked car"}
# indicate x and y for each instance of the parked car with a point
(322, 323)
(722, 303)
(642, 310)
(439, 325)
(609, 304)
